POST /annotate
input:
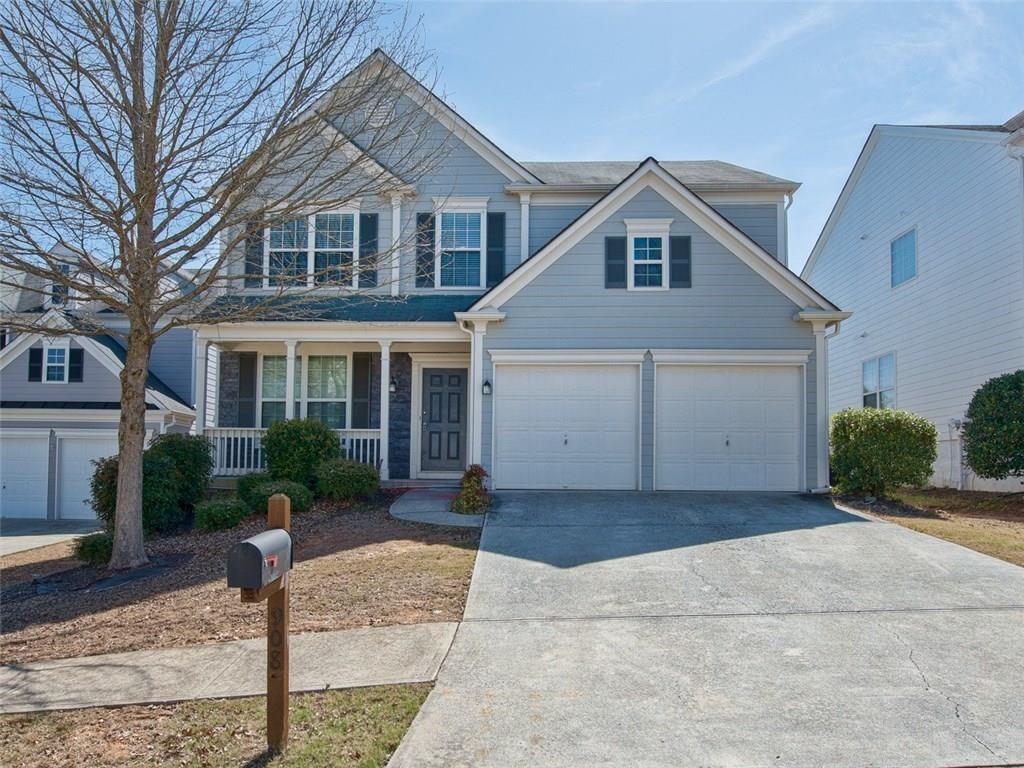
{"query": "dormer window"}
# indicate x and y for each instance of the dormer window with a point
(647, 253)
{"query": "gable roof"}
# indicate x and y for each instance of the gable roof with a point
(153, 381)
(692, 173)
(651, 174)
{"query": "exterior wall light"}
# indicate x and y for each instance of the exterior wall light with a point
(487, 388)
(392, 386)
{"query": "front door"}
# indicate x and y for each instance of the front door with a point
(443, 443)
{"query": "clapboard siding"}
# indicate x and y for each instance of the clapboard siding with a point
(961, 320)
(172, 359)
(546, 221)
(729, 307)
(98, 384)
(760, 222)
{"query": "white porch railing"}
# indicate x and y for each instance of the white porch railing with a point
(239, 450)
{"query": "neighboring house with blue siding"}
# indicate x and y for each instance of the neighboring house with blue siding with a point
(926, 246)
(585, 325)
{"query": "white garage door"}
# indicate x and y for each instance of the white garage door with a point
(24, 467)
(562, 426)
(727, 428)
(74, 471)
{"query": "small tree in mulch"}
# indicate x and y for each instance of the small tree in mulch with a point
(994, 432)
(473, 498)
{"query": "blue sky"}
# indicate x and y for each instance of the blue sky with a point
(788, 88)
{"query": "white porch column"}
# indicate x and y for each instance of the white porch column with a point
(289, 387)
(476, 381)
(524, 226)
(385, 405)
(200, 370)
(396, 236)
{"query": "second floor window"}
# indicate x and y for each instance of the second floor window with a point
(903, 258)
(314, 250)
(459, 262)
(59, 291)
(56, 364)
(878, 378)
(648, 262)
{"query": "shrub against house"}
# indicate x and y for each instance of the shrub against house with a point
(994, 432)
(877, 450)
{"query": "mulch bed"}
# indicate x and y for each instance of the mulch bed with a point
(355, 566)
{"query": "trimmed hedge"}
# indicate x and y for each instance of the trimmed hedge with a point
(296, 447)
(220, 514)
(473, 498)
(300, 495)
(95, 549)
(192, 457)
(162, 509)
(994, 432)
(344, 480)
(876, 450)
(247, 485)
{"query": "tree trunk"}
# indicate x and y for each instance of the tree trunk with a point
(129, 549)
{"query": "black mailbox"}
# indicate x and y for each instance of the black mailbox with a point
(264, 558)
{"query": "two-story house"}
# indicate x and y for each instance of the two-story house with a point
(925, 246)
(585, 325)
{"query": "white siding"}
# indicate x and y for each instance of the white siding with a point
(961, 320)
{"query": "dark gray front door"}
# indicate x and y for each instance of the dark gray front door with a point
(443, 443)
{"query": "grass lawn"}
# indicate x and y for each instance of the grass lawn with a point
(357, 727)
(992, 523)
(354, 567)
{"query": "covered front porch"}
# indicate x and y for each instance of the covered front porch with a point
(398, 403)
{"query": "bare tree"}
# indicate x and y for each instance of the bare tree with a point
(144, 140)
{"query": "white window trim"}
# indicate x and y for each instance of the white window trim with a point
(64, 344)
(878, 384)
(311, 249)
(648, 228)
(917, 270)
(444, 205)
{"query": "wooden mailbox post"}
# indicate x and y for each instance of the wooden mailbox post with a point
(279, 515)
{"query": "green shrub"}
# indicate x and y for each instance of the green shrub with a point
(473, 498)
(994, 432)
(161, 507)
(300, 495)
(192, 456)
(343, 480)
(296, 447)
(220, 514)
(876, 450)
(247, 485)
(95, 549)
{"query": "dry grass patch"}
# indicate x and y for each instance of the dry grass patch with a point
(357, 727)
(355, 567)
(992, 523)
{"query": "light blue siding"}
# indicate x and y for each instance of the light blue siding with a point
(729, 307)
(98, 383)
(759, 222)
(171, 360)
(546, 221)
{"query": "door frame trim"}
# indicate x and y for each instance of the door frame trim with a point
(421, 360)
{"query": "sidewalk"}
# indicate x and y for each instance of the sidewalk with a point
(344, 659)
(430, 505)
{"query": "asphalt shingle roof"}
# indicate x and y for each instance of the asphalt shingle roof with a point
(363, 308)
(689, 172)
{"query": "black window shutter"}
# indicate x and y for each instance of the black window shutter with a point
(679, 262)
(76, 364)
(424, 250)
(615, 262)
(362, 389)
(246, 389)
(35, 364)
(368, 250)
(495, 248)
(254, 254)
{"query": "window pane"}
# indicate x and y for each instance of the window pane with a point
(287, 267)
(334, 267)
(869, 376)
(646, 249)
(335, 231)
(328, 378)
(460, 230)
(647, 275)
(903, 254)
(886, 372)
(887, 398)
(330, 413)
(460, 268)
(289, 234)
(275, 372)
(871, 401)
(272, 413)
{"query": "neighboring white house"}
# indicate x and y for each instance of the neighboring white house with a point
(925, 246)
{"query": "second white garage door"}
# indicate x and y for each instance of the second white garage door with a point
(74, 472)
(729, 427)
(559, 426)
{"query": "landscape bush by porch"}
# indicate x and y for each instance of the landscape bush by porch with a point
(260, 495)
(220, 514)
(344, 480)
(95, 549)
(473, 498)
(247, 486)
(994, 432)
(192, 458)
(296, 447)
(162, 508)
(876, 450)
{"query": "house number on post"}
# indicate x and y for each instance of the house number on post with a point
(259, 567)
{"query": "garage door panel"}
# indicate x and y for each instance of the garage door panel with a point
(728, 427)
(24, 471)
(74, 470)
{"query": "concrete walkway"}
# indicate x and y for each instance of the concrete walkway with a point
(344, 659)
(22, 534)
(430, 505)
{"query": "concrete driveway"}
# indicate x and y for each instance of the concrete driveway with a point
(22, 534)
(724, 630)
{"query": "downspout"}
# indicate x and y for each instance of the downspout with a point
(827, 336)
